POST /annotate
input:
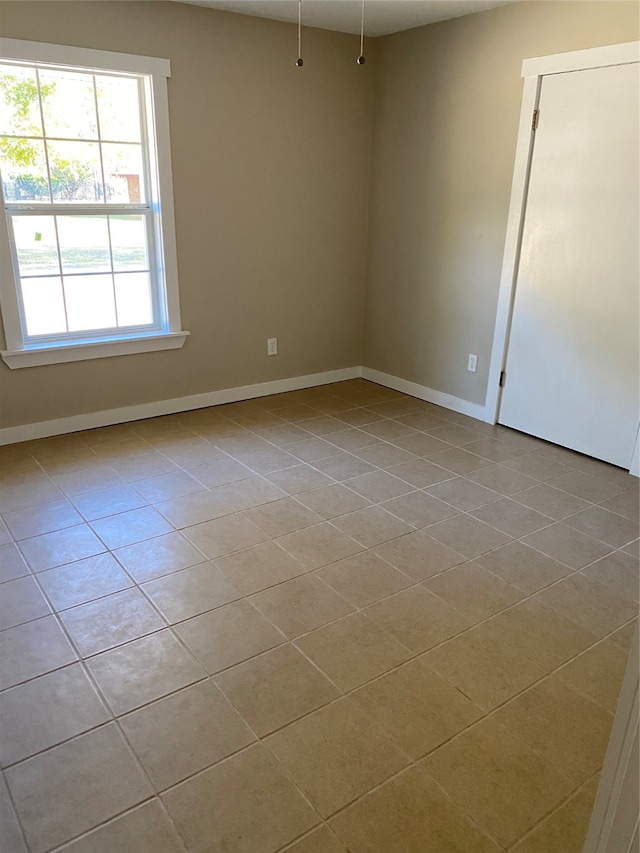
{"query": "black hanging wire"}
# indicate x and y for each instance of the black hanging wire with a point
(299, 60)
(361, 60)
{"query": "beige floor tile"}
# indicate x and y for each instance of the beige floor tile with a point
(142, 465)
(189, 452)
(224, 535)
(419, 555)
(459, 460)
(221, 472)
(75, 786)
(284, 435)
(486, 670)
(353, 650)
(343, 466)
(499, 781)
(110, 621)
(467, 535)
(228, 635)
(83, 581)
(34, 521)
(626, 503)
(311, 449)
(384, 455)
(300, 605)
(539, 632)
(242, 444)
(455, 434)
(474, 591)
(511, 517)
(245, 804)
(419, 509)
(12, 564)
(127, 528)
(267, 461)
(409, 814)
(320, 840)
(364, 578)
(282, 517)
(147, 829)
(33, 649)
(275, 688)
(192, 591)
(63, 546)
(567, 545)
(586, 486)
(11, 838)
(416, 708)
(588, 603)
(359, 417)
(319, 545)
(300, 478)
(550, 501)
(524, 567)
(623, 637)
(372, 526)
(633, 548)
(538, 466)
(245, 494)
(195, 508)
(160, 556)
(419, 619)
(463, 494)
(597, 674)
(501, 479)
(86, 478)
(421, 473)
(21, 601)
(607, 526)
(332, 501)
(389, 430)
(47, 710)
(167, 486)
(184, 733)
(421, 444)
(260, 567)
(423, 420)
(16, 494)
(565, 830)
(619, 572)
(497, 451)
(379, 486)
(143, 670)
(335, 755)
(569, 730)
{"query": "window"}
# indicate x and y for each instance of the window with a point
(86, 184)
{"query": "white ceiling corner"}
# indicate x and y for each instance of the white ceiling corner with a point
(382, 17)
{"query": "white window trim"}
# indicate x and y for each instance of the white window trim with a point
(16, 353)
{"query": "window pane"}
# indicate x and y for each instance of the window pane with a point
(35, 238)
(123, 173)
(19, 107)
(118, 109)
(24, 170)
(43, 306)
(68, 105)
(133, 296)
(75, 171)
(84, 244)
(90, 303)
(129, 242)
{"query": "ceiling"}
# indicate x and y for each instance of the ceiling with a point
(382, 17)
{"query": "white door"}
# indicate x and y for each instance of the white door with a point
(572, 372)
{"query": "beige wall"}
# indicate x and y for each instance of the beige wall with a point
(445, 127)
(271, 175)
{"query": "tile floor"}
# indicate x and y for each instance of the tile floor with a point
(339, 619)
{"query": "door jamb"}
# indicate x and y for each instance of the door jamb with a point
(533, 70)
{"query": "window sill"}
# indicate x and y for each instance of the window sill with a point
(37, 356)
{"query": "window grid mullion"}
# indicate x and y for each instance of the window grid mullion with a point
(44, 138)
(64, 295)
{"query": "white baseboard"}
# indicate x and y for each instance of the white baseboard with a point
(59, 426)
(439, 398)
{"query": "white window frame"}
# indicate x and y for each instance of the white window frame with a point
(21, 353)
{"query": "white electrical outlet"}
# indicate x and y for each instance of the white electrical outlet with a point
(272, 346)
(472, 364)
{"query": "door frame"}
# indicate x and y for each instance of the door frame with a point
(533, 70)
